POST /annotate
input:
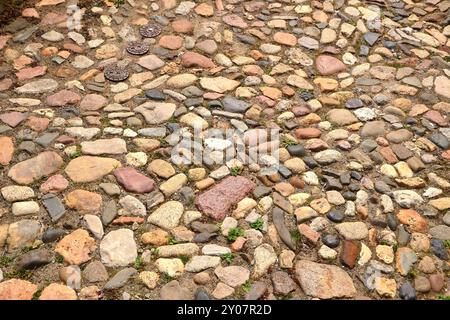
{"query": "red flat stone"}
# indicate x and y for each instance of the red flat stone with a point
(328, 65)
(193, 59)
(13, 119)
(30, 73)
(218, 200)
(134, 181)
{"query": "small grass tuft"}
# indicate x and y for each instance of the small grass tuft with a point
(234, 233)
(138, 263)
(235, 171)
(228, 257)
(247, 286)
(258, 224)
(172, 240)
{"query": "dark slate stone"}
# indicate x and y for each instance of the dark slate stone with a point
(201, 294)
(371, 38)
(52, 235)
(54, 207)
(155, 95)
(34, 259)
(232, 104)
(120, 278)
(283, 231)
(336, 216)
(439, 249)
(440, 140)
(354, 103)
(407, 292)
(109, 212)
(296, 150)
(330, 240)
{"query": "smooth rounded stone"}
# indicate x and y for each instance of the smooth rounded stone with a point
(215, 250)
(52, 235)
(200, 263)
(155, 94)
(176, 250)
(118, 248)
(441, 232)
(120, 279)
(324, 281)
(57, 291)
(174, 291)
(88, 168)
(17, 193)
(233, 275)
(373, 129)
(17, 289)
(28, 171)
(439, 250)
(407, 292)
(328, 156)
(24, 208)
(353, 230)
(407, 198)
(336, 216)
(104, 146)
(95, 271)
(422, 284)
(133, 181)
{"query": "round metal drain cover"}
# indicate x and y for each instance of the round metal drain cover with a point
(116, 74)
(150, 30)
(137, 48)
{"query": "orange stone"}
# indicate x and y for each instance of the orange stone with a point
(76, 247)
(413, 219)
(285, 38)
(6, 150)
(57, 291)
(182, 26)
(17, 289)
(171, 42)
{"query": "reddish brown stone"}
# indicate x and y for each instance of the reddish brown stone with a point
(54, 184)
(350, 253)
(285, 38)
(437, 282)
(308, 233)
(13, 119)
(218, 200)
(3, 41)
(328, 65)
(171, 42)
(183, 26)
(30, 73)
(127, 220)
(5, 84)
(62, 98)
(193, 59)
(436, 117)
(235, 21)
(6, 150)
(84, 201)
(388, 154)
(134, 181)
(30, 13)
(413, 219)
(93, 102)
(17, 289)
(53, 18)
(307, 133)
(66, 139)
(38, 124)
(73, 47)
